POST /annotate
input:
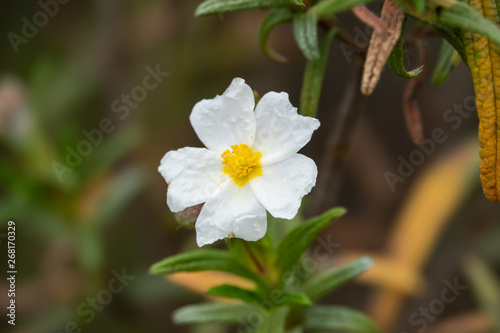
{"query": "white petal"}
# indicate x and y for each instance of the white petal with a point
(226, 120)
(235, 212)
(193, 175)
(281, 131)
(282, 185)
(208, 232)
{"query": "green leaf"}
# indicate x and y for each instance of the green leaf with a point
(313, 78)
(274, 233)
(274, 18)
(201, 260)
(109, 151)
(297, 2)
(230, 291)
(292, 247)
(90, 246)
(330, 280)
(485, 287)
(222, 6)
(295, 299)
(57, 87)
(463, 16)
(448, 59)
(248, 296)
(419, 5)
(120, 192)
(395, 60)
(213, 313)
(452, 36)
(328, 7)
(338, 318)
(306, 34)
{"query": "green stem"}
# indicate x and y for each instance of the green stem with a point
(274, 322)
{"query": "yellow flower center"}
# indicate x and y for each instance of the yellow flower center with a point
(242, 164)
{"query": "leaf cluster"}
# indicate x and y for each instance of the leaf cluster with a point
(283, 294)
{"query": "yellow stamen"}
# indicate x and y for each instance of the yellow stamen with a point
(242, 164)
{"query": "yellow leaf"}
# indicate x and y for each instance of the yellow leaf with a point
(484, 63)
(430, 205)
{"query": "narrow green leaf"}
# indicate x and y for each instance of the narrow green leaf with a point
(213, 313)
(448, 59)
(306, 34)
(69, 85)
(485, 287)
(201, 260)
(338, 318)
(107, 153)
(419, 5)
(230, 291)
(295, 299)
(328, 7)
(313, 78)
(248, 296)
(332, 279)
(297, 2)
(292, 247)
(395, 60)
(463, 16)
(119, 193)
(452, 36)
(90, 247)
(274, 18)
(222, 6)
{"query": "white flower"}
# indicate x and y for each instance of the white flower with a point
(251, 164)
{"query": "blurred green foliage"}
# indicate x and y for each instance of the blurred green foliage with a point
(109, 213)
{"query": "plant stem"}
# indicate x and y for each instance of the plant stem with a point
(337, 145)
(274, 321)
(262, 270)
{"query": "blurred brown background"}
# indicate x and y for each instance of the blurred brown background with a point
(107, 214)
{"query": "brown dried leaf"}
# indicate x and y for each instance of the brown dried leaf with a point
(412, 116)
(381, 45)
(370, 19)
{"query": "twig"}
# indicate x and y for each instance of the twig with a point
(411, 107)
(337, 145)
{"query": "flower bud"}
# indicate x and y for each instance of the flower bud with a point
(187, 218)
